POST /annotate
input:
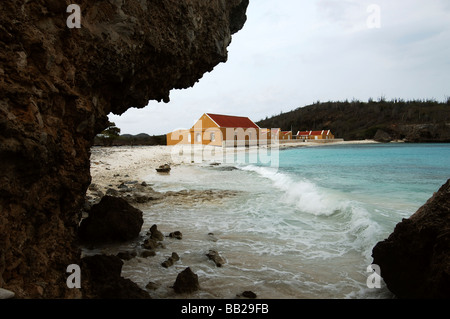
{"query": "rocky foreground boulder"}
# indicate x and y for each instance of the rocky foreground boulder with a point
(186, 282)
(111, 220)
(58, 83)
(105, 280)
(415, 259)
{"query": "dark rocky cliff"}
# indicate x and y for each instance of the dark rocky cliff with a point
(57, 86)
(415, 259)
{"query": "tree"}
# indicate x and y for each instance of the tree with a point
(111, 133)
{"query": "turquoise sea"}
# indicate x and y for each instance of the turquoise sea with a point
(302, 229)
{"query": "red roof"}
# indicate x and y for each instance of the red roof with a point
(232, 121)
(314, 133)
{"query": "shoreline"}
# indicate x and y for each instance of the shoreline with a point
(111, 165)
(315, 144)
(140, 162)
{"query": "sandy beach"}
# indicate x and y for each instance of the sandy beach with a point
(140, 162)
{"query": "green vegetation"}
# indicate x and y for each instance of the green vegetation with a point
(111, 137)
(415, 120)
(111, 133)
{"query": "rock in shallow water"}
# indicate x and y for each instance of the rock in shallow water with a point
(156, 234)
(214, 256)
(176, 234)
(186, 282)
(171, 260)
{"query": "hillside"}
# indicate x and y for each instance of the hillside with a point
(411, 121)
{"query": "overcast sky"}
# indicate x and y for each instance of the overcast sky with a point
(292, 53)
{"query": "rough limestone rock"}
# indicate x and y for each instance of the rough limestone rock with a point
(111, 220)
(171, 260)
(415, 259)
(57, 86)
(104, 279)
(156, 234)
(382, 136)
(216, 258)
(176, 234)
(186, 282)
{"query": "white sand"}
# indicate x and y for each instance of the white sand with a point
(136, 162)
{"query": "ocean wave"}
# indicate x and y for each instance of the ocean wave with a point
(347, 220)
(306, 195)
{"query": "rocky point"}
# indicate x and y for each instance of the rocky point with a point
(57, 86)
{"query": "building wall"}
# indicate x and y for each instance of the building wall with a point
(240, 136)
(207, 136)
(202, 131)
(286, 136)
(178, 137)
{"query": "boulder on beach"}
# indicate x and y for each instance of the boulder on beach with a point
(186, 282)
(111, 220)
(415, 259)
(164, 168)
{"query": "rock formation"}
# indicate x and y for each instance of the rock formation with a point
(156, 234)
(415, 259)
(171, 260)
(57, 86)
(186, 282)
(216, 258)
(104, 280)
(111, 220)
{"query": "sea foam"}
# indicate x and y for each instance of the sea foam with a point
(342, 215)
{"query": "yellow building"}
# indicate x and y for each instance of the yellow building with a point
(217, 130)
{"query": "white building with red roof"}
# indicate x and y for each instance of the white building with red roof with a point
(315, 135)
